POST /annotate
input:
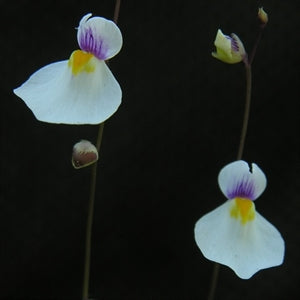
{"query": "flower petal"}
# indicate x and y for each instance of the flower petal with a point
(237, 180)
(245, 248)
(56, 95)
(229, 49)
(99, 36)
(223, 47)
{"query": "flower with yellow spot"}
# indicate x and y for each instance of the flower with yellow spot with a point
(229, 49)
(235, 234)
(81, 90)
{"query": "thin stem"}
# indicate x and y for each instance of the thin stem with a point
(89, 224)
(246, 111)
(247, 63)
(215, 274)
(117, 11)
(99, 138)
(258, 38)
(214, 281)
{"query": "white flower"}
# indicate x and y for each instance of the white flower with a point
(234, 234)
(81, 90)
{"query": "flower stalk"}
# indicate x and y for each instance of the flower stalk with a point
(246, 110)
(89, 224)
(248, 72)
(216, 270)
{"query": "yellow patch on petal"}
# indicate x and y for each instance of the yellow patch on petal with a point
(80, 62)
(243, 209)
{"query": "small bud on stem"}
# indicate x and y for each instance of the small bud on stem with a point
(262, 16)
(84, 154)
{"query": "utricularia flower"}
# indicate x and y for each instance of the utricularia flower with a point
(235, 234)
(229, 49)
(81, 90)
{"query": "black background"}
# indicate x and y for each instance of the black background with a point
(178, 125)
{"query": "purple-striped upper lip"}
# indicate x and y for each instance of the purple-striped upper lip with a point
(243, 188)
(234, 44)
(239, 180)
(89, 43)
(99, 36)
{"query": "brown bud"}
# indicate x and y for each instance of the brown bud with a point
(84, 154)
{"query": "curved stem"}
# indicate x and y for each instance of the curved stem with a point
(248, 64)
(258, 38)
